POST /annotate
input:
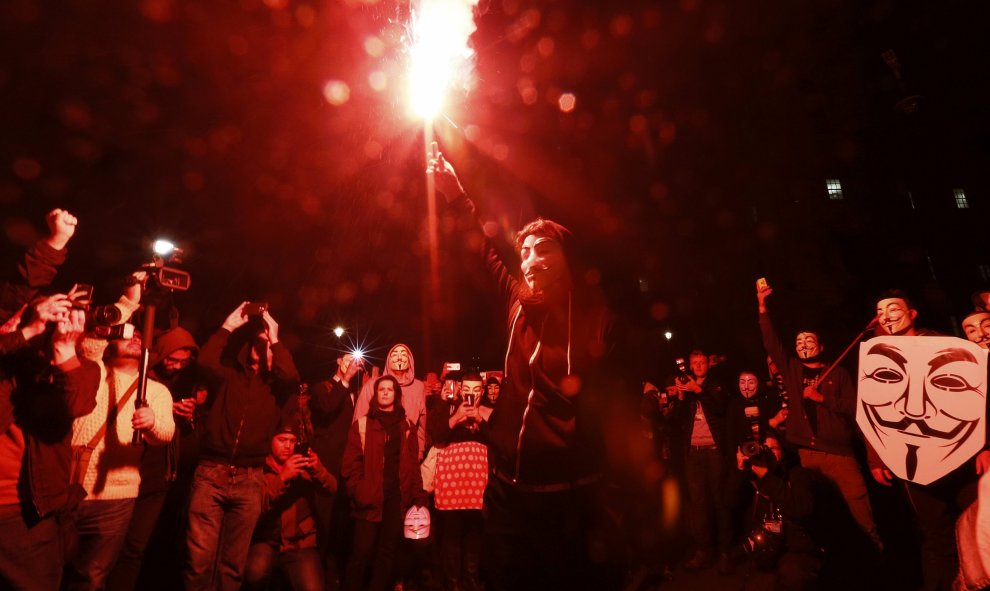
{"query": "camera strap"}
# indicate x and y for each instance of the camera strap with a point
(81, 455)
(113, 412)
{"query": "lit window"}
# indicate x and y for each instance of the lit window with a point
(834, 188)
(961, 201)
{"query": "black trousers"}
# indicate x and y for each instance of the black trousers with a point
(543, 541)
(377, 543)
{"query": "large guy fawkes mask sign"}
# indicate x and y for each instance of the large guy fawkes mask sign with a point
(922, 403)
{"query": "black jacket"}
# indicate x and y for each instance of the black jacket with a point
(556, 391)
(332, 412)
(836, 415)
(246, 407)
(714, 401)
(43, 406)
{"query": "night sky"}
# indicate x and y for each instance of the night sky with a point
(271, 140)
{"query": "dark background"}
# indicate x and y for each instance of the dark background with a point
(694, 161)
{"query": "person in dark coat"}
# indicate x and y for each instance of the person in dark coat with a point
(381, 470)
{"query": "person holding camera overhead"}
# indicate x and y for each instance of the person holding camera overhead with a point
(802, 530)
(252, 375)
(700, 413)
(287, 530)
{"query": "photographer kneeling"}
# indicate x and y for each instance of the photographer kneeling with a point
(802, 529)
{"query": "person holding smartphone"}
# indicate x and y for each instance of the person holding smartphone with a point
(457, 424)
(287, 530)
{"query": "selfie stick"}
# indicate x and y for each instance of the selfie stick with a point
(868, 328)
(142, 392)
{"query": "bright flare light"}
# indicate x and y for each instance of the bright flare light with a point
(339, 331)
(440, 56)
(668, 335)
(163, 247)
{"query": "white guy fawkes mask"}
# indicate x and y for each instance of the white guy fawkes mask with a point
(977, 328)
(748, 384)
(542, 262)
(806, 345)
(398, 359)
(894, 316)
(922, 403)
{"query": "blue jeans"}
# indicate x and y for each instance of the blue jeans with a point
(102, 527)
(224, 506)
(304, 568)
(30, 552)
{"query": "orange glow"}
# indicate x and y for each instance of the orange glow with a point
(439, 56)
(567, 101)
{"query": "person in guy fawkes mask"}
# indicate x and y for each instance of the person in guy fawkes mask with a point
(938, 504)
(822, 422)
(546, 444)
(976, 327)
(400, 364)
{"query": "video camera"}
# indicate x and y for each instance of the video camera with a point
(683, 373)
(165, 277)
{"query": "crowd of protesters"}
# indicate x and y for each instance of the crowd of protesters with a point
(550, 472)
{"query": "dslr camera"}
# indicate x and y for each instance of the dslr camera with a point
(756, 453)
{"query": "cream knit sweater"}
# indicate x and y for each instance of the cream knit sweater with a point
(114, 468)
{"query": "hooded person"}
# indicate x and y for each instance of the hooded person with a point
(400, 364)
(227, 492)
(546, 434)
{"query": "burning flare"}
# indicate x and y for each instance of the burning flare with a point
(439, 55)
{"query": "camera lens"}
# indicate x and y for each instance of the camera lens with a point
(107, 315)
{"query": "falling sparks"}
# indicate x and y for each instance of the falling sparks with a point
(439, 56)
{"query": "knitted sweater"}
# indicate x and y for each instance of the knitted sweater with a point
(114, 468)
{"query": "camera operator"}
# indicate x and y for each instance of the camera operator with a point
(286, 533)
(701, 416)
(166, 471)
(111, 475)
(41, 391)
(254, 376)
(803, 530)
(822, 423)
(459, 419)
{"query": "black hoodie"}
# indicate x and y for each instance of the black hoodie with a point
(246, 408)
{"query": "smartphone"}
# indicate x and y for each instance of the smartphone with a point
(82, 296)
(761, 283)
(302, 448)
(449, 367)
(255, 308)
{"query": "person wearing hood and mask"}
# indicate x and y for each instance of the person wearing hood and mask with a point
(401, 365)
(822, 422)
(546, 434)
(227, 491)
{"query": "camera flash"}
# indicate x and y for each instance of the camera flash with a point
(668, 335)
(358, 354)
(163, 247)
(338, 332)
